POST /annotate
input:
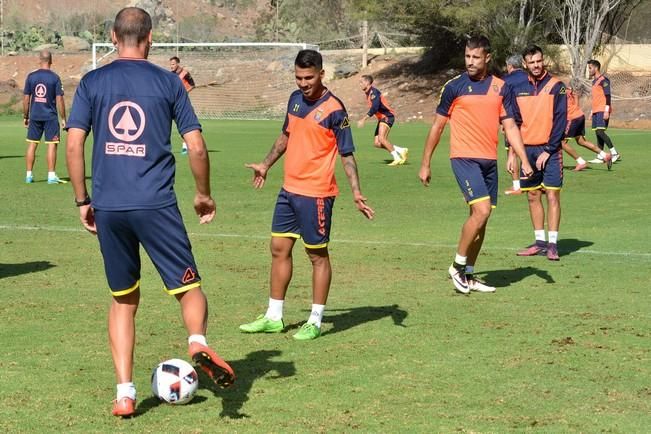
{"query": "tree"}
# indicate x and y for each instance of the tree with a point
(581, 25)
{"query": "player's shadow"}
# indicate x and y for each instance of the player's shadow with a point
(503, 278)
(11, 156)
(9, 270)
(354, 316)
(257, 365)
(152, 402)
(567, 246)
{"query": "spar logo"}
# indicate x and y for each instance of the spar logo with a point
(126, 122)
(40, 91)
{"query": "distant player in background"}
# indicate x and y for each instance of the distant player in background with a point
(379, 108)
(576, 129)
(514, 76)
(476, 103)
(188, 83)
(601, 109)
(42, 96)
(543, 110)
(129, 105)
(315, 131)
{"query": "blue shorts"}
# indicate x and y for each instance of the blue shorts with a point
(303, 217)
(477, 179)
(550, 178)
(35, 130)
(161, 233)
(598, 121)
(575, 128)
(388, 120)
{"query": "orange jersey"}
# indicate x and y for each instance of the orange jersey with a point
(600, 94)
(317, 131)
(377, 104)
(573, 108)
(186, 79)
(543, 108)
(475, 109)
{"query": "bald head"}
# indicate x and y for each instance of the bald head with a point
(45, 57)
(132, 26)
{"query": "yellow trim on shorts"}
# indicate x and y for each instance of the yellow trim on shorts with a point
(537, 187)
(33, 141)
(285, 235)
(52, 143)
(599, 128)
(552, 188)
(480, 199)
(126, 291)
(183, 288)
(315, 246)
(385, 123)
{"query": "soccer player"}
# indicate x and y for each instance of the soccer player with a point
(316, 128)
(514, 76)
(601, 109)
(379, 108)
(188, 83)
(542, 105)
(576, 129)
(475, 103)
(42, 96)
(130, 104)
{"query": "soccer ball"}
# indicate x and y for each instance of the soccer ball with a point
(174, 381)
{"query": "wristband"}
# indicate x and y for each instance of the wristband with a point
(86, 201)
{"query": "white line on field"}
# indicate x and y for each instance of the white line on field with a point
(365, 242)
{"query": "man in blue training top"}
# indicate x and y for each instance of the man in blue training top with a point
(515, 75)
(42, 95)
(130, 104)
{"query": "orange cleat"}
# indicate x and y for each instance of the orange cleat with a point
(124, 407)
(214, 366)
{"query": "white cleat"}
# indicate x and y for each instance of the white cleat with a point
(459, 280)
(479, 286)
(598, 161)
(616, 157)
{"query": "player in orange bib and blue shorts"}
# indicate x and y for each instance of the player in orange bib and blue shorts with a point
(576, 129)
(475, 103)
(315, 132)
(601, 109)
(542, 105)
(379, 108)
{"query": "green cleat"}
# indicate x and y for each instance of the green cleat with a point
(307, 332)
(263, 324)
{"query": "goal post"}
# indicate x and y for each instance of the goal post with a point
(247, 80)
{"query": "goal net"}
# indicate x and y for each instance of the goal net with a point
(233, 80)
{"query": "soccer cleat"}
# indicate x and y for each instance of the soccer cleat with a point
(262, 324)
(512, 191)
(307, 332)
(396, 162)
(29, 179)
(597, 160)
(552, 252)
(184, 151)
(459, 279)
(54, 180)
(124, 407)
(609, 161)
(214, 366)
(478, 285)
(616, 157)
(404, 154)
(580, 166)
(537, 248)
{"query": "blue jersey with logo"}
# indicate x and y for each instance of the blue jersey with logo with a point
(130, 105)
(43, 86)
(515, 79)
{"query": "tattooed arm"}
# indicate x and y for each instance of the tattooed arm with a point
(350, 167)
(260, 169)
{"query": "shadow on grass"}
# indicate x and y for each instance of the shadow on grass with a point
(567, 246)
(9, 270)
(354, 316)
(152, 402)
(502, 278)
(256, 365)
(11, 156)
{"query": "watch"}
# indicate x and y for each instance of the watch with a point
(86, 201)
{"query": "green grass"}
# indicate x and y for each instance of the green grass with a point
(561, 347)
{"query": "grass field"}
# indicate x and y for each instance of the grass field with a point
(561, 347)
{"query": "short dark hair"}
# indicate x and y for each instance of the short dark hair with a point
(368, 78)
(531, 50)
(45, 56)
(595, 63)
(479, 42)
(132, 26)
(176, 59)
(309, 59)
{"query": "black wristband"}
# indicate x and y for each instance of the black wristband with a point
(86, 201)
